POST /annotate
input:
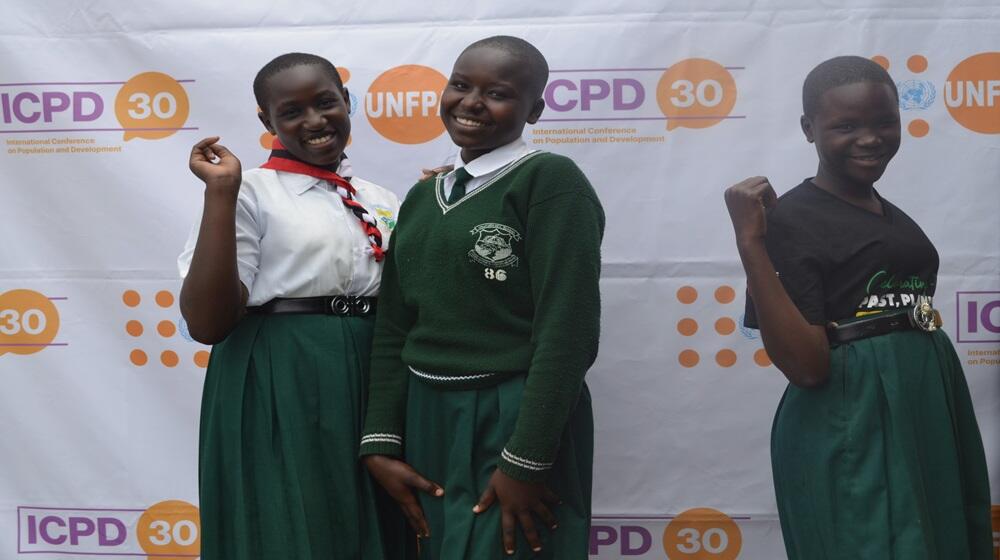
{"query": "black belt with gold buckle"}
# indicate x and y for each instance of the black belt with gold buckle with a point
(922, 317)
(343, 306)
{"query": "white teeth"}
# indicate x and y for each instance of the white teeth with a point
(319, 140)
(469, 122)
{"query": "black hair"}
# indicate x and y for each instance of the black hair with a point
(284, 62)
(525, 53)
(840, 71)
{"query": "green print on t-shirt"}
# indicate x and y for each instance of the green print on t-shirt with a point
(885, 291)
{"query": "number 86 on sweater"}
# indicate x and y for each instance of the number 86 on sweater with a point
(499, 274)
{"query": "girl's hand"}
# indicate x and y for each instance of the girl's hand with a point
(428, 173)
(518, 501)
(216, 166)
(746, 201)
(400, 480)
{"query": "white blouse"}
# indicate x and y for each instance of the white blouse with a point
(295, 237)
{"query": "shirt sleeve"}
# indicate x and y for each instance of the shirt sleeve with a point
(248, 235)
(797, 258)
(563, 253)
(388, 385)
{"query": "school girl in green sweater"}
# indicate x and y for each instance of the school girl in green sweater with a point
(488, 320)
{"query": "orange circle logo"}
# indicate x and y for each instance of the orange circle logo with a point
(696, 93)
(170, 528)
(972, 93)
(151, 105)
(403, 103)
(29, 322)
(702, 534)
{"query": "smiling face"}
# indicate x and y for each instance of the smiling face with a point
(307, 110)
(856, 131)
(488, 100)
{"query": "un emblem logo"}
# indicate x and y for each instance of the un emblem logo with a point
(916, 94)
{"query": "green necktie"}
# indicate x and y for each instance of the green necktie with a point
(462, 177)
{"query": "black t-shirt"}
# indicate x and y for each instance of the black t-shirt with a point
(838, 261)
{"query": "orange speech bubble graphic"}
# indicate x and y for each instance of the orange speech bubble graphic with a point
(972, 93)
(402, 104)
(28, 322)
(169, 528)
(151, 105)
(696, 93)
(702, 534)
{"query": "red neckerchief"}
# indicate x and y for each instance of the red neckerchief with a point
(282, 160)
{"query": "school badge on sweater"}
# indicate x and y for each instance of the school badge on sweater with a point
(494, 246)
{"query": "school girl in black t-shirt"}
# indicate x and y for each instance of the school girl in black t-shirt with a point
(875, 449)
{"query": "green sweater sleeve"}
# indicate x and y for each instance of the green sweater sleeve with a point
(563, 252)
(386, 413)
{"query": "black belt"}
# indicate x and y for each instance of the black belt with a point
(922, 317)
(344, 306)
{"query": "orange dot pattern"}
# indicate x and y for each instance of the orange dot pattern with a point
(689, 358)
(724, 326)
(725, 358)
(134, 328)
(761, 358)
(131, 298)
(201, 358)
(687, 326)
(164, 298)
(687, 295)
(169, 358)
(267, 140)
(881, 61)
(917, 63)
(918, 128)
(166, 329)
(138, 357)
(725, 294)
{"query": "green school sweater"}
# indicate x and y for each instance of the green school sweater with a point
(501, 283)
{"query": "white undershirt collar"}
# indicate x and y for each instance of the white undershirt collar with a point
(485, 166)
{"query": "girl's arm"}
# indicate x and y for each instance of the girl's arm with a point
(800, 350)
(566, 224)
(385, 418)
(212, 298)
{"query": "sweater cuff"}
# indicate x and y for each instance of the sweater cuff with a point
(382, 444)
(522, 468)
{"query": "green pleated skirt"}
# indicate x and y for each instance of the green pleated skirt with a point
(279, 476)
(455, 438)
(885, 461)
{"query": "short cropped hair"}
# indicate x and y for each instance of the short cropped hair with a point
(840, 71)
(523, 51)
(284, 62)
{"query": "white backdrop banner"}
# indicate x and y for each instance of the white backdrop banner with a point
(662, 104)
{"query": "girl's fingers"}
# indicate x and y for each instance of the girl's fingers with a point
(204, 143)
(485, 501)
(528, 526)
(419, 521)
(546, 516)
(507, 530)
(424, 485)
(221, 151)
(770, 198)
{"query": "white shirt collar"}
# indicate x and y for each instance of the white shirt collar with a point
(493, 160)
(299, 183)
